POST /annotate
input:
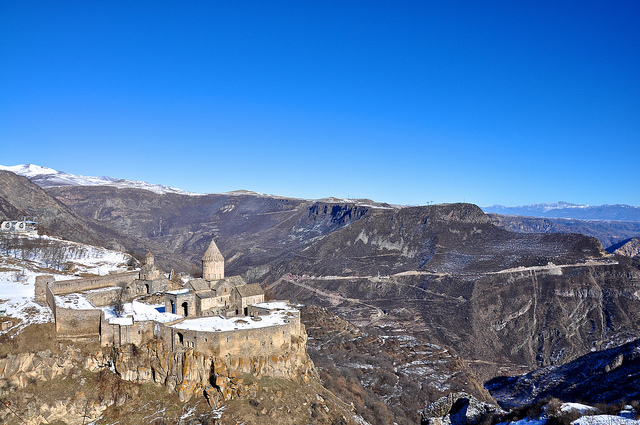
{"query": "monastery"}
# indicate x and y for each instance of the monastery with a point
(215, 314)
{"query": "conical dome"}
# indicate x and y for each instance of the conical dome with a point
(212, 253)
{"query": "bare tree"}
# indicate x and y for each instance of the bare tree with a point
(118, 301)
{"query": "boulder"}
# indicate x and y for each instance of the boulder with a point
(457, 409)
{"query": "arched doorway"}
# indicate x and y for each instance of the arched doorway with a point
(185, 309)
(146, 288)
(180, 338)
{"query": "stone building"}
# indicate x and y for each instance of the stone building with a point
(151, 279)
(212, 263)
(222, 316)
(213, 294)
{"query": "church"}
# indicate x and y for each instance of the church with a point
(214, 294)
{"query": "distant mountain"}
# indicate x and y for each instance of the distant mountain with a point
(20, 198)
(504, 302)
(566, 210)
(48, 177)
(611, 234)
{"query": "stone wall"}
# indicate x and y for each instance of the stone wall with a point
(237, 343)
(74, 323)
(50, 299)
(191, 372)
(40, 287)
(137, 333)
(103, 297)
(62, 287)
(86, 284)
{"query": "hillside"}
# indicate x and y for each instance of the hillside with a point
(20, 198)
(629, 248)
(443, 275)
(501, 299)
(609, 233)
(607, 376)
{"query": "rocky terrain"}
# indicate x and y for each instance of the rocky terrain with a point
(497, 302)
(629, 248)
(44, 380)
(607, 376)
(20, 198)
(382, 374)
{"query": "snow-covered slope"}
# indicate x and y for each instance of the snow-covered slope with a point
(48, 177)
(23, 257)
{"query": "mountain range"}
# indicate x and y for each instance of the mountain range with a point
(617, 212)
(48, 177)
(501, 302)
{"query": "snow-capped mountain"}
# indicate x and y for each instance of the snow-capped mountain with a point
(48, 177)
(567, 210)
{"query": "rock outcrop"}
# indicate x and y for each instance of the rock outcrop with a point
(190, 373)
(631, 248)
(457, 409)
(607, 376)
(73, 373)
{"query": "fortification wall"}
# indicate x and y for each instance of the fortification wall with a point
(62, 287)
(102, 297)
(266, 341)
(51, 300)
(40, 287)
(74, 323)
(137, 333)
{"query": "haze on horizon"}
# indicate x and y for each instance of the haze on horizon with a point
(405, 103)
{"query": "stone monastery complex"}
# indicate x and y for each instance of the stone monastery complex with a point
(218, 315)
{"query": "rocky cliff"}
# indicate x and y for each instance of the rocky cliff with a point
(190, 373)
(630, 248)
(80, 382)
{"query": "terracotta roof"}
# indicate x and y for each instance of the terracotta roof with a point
(212, 253)
(250, 290)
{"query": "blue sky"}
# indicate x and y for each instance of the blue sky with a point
(499, 102)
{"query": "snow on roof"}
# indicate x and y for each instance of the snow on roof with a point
(221, 324)
(276, 305)
(177, 292)
(107, 289)
(139, 312)
(74, 301)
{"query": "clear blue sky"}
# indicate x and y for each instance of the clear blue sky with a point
(506, 102)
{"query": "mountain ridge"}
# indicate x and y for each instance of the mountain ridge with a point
(615, 212)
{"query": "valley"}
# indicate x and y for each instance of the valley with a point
(403, 304)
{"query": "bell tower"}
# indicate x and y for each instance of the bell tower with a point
(212, 263)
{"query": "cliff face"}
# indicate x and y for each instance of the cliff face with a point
(74, 384)
(190, 373)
